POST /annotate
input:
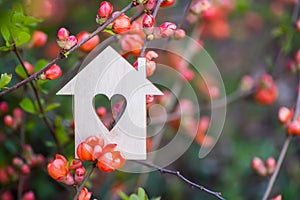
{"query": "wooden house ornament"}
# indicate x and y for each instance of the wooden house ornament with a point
(109, 74)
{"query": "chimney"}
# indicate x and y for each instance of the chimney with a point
(142, 66)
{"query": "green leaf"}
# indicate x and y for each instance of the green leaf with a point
(5, 79)
(51, 106)
(5, 48)
(31, 21)
(22, 38)
(39, 65)
(20, 71)
(123, 195)
(134, 197)
(5, 33)
(141, 194)
(156, 198)
(27, 105)
(109, 31)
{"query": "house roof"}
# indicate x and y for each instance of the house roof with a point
(109, 73)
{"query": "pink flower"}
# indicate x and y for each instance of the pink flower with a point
(39, 38)
(63, 34)
(167, 29)
(52, 73)
(58, 168)
(105, 9)
(84, 194)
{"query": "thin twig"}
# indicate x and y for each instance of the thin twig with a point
(78, 190)
(186, 180)
(296, 114)
(36, 94)
(154, 15)
(62, 56)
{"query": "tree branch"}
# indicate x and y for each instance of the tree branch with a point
(162, 170)
(64, 55)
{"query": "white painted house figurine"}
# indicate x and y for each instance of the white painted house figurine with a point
(109, 74)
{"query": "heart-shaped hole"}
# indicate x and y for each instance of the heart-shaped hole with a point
(111, 110)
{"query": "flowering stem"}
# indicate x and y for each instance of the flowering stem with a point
(179, 175)
(78, 190)
(154, 15)
(62, 56)
(39, 103)
(283, 150)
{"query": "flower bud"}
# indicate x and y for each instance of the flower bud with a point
(75, 163)
(58, 168)
(25, 169)
(258, 166)
(294, 128)
(266, 90)
(71, 41)
(278, 197)
(179, 34)
(90, 44)
(200, 6)
(101, 111)
(188, 74)
(167, 3)
(149, 98)
(79, 174)
(17, 162)
(18, 113)
(167, 29)
(121, 24)
(271, 165)
(69, 180)
(52, 73)
(63, 34)
(105, 9)
(9, 121)
(28, 196)
(3, 107)
(247, 83)
(150, 4)
(148, 21)
(285, 115)
(84, 194)
(7, 195)
(38, 39)
(84, 152)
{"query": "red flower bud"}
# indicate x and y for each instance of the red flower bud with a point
(101, 111)
(39, 38)
(278, 197)
(150, 4)
(200, 6)
(75, 163)
(63, 34)
(179, 34)
(3, 107)
(105, 9)
(121, 24)
(167, 3)
(247, 83)
(90, 44)
(266, 90)
(148, 21)
(271, 165)
(52, 73)
(84, 194)
(18, 113)
(69, 179)
(294, 128)
(285, 115)
(9, 121)
(149, 98)
(258, 166)
(7, 195)
(71, 41)
(79, 174)
(18, 162)
(84, 152)
(25, 169)
(167, 29)
(28, 196)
